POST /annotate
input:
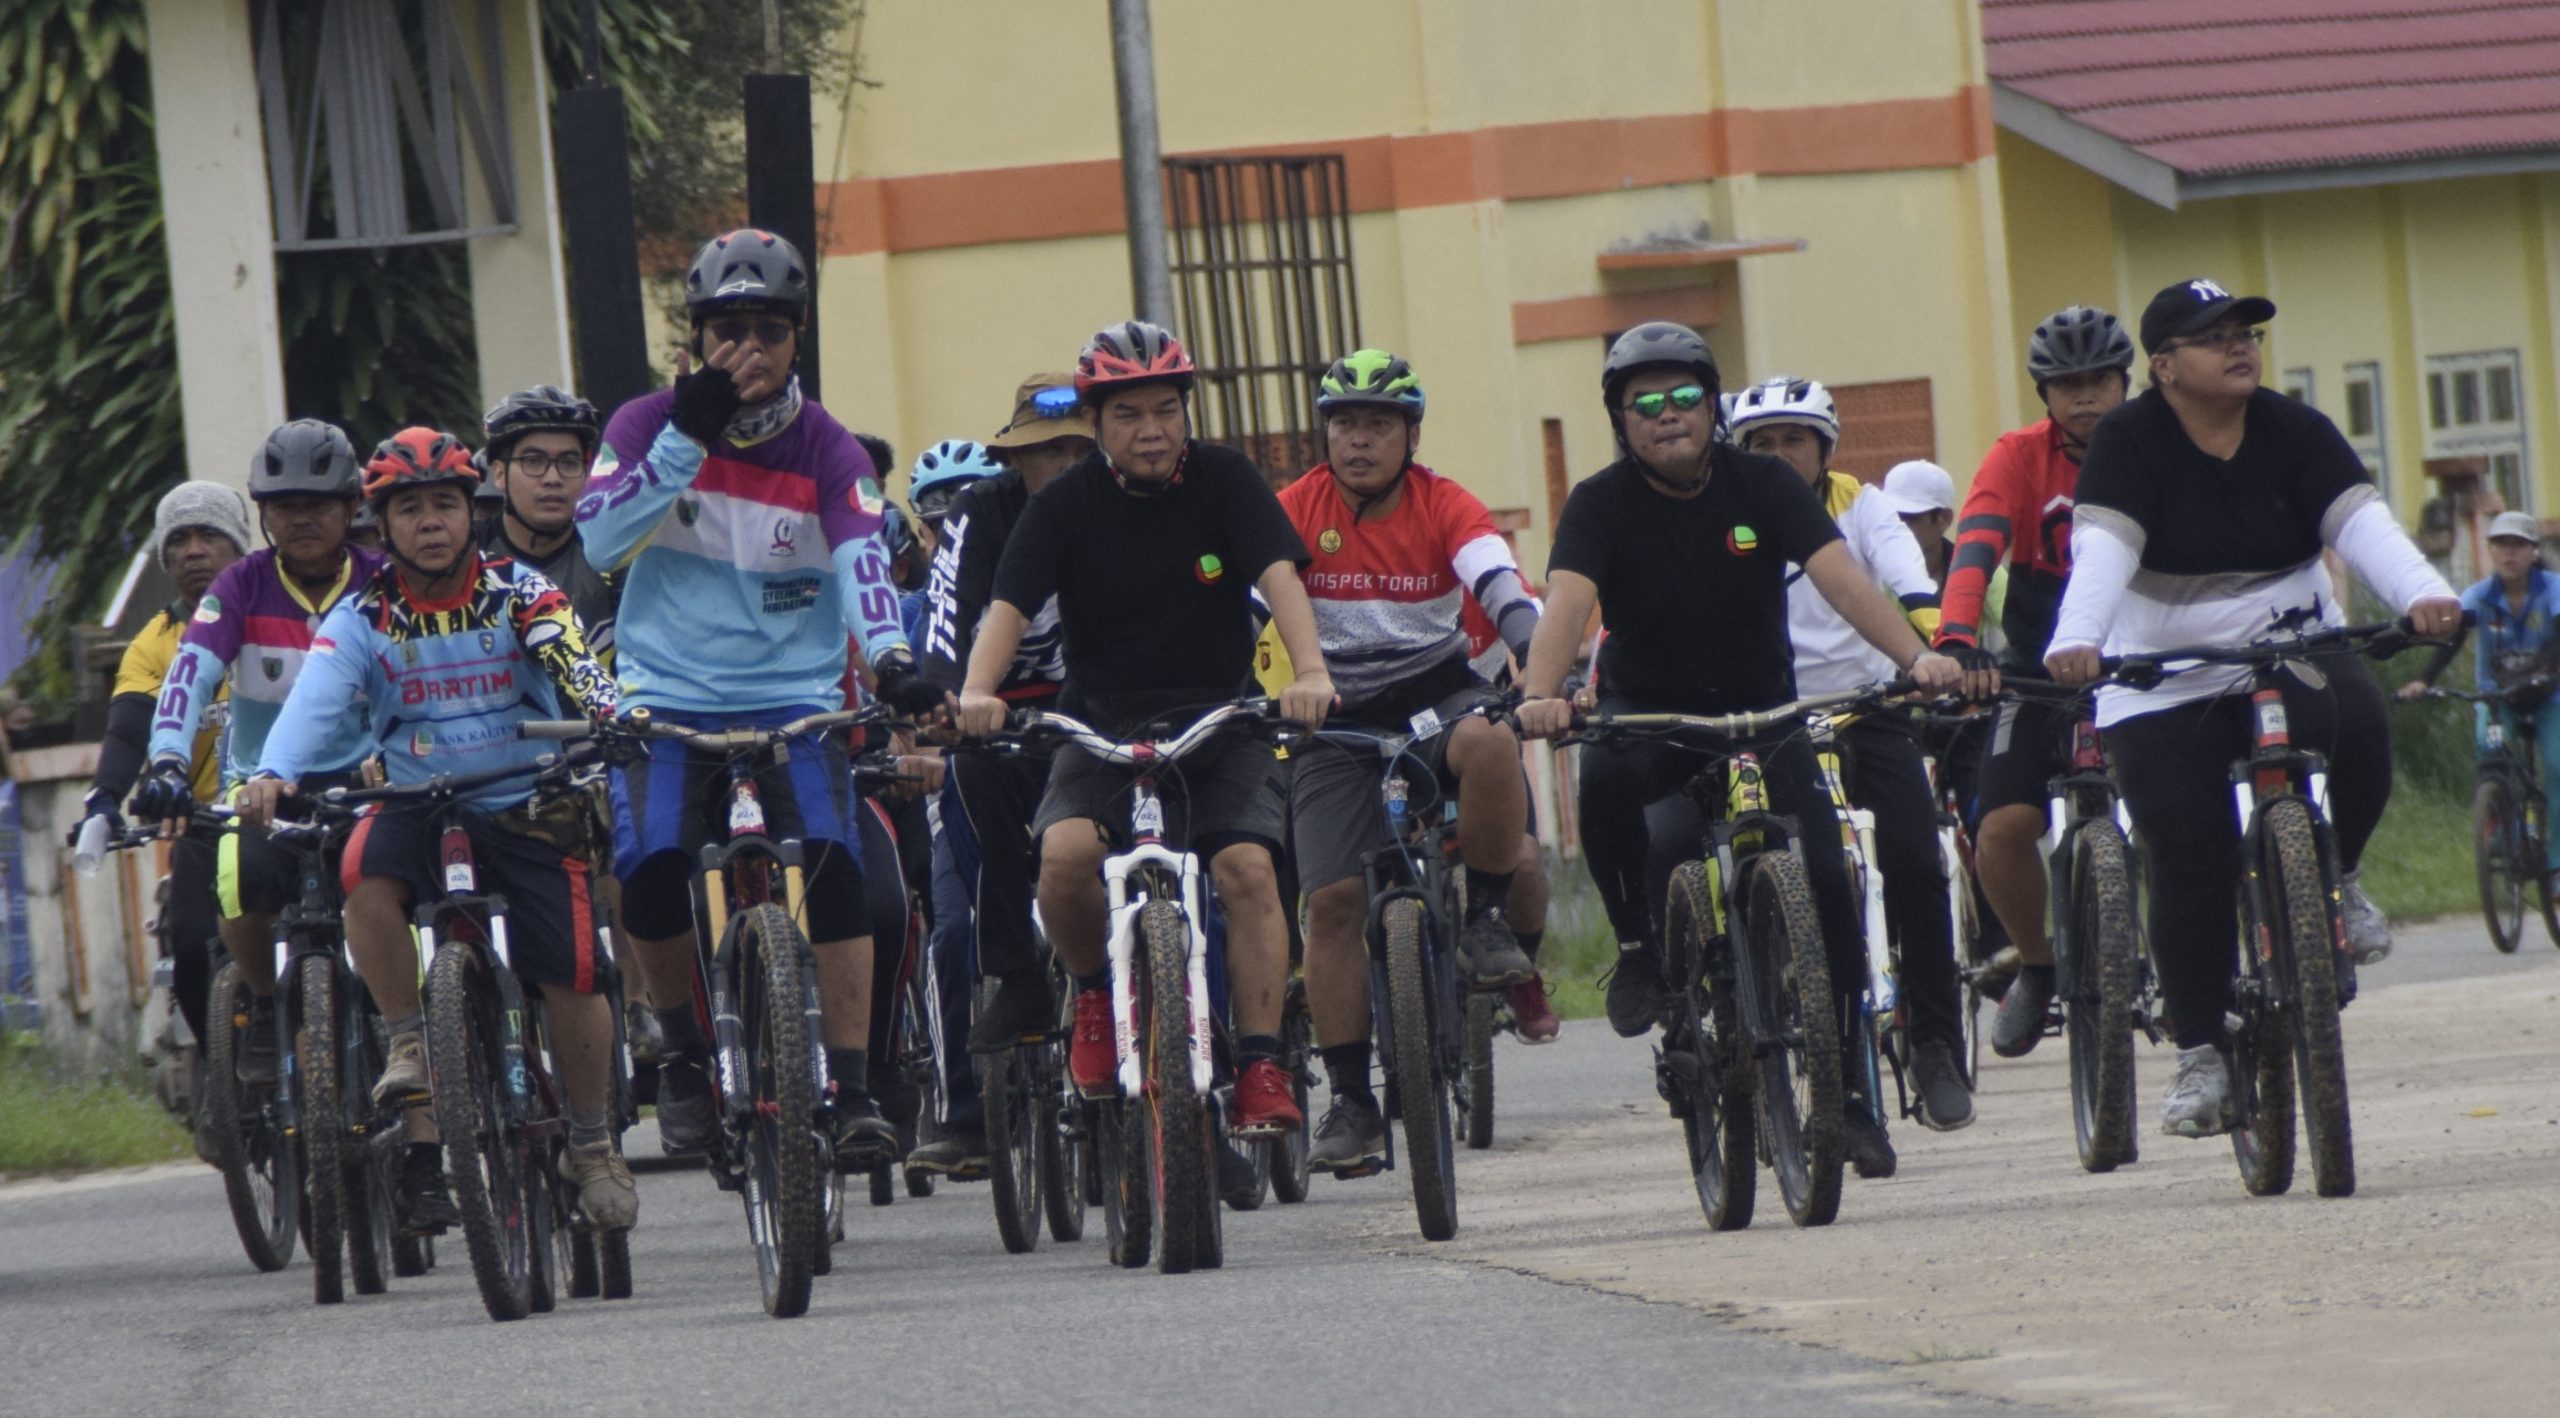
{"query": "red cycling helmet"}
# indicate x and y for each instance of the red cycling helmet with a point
(1132, 353)
(418, 457)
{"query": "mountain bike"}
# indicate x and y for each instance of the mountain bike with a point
(1964, 901)
(1874, 1015)
(1751, 1063)
(1035, 1148)
(2509, 838)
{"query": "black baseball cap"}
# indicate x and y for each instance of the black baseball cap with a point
(2197, 304)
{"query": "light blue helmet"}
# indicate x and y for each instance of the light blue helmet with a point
(950, 465)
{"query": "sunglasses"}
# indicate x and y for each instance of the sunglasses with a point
(767, 333)
(1684, 398)
(1055, 403)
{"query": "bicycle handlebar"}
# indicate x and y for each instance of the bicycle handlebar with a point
(639, 724)
(1028, 727)
(1737, 726)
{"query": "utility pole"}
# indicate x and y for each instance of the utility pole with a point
(1133, 66)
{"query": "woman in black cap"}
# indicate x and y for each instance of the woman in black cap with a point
(2203, 508)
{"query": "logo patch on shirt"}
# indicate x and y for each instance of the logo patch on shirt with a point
(273, 665)
(866, 497)
(422, 743)
(208, 611)
(786, 538)
(488, 642)
(1210, 570)
(409, 655)
(1742, 541)
(786, 597)
(688, 511)
(1329, 541)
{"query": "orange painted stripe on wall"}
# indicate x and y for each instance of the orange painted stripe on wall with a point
(1578, 317)
(1396, 172)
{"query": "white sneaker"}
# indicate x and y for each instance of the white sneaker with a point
(2368, 930)
(2194, 1107)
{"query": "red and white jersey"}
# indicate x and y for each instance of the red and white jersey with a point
(1389, 594)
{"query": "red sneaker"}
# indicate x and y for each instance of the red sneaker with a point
(1265, 1106)
(1531, 1015)
(1092, 1061)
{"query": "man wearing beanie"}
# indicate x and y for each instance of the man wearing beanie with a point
(200, 528)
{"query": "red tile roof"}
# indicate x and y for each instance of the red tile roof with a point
(2229, 87)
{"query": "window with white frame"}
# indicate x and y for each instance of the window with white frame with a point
(2475, 409)
(2362, 422)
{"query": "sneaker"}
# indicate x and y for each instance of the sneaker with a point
(1093, 1061)
(2198, 1095)
(1352, 1136)
(643, 1035)
(862, 1137)
(253, 1053)
(688, 1116)
(204, 1137)
(606, 1192)
(2019, 1025)
(404, 1074)
(1019, 1005)
(1635, 990)
(1265, 1105)
(951, 1156)
(1531, 1016)
(1870, 1151)
(1240, 1183)
(422, 1203)
(2368, 930)
(1945, 1103)
(1493, 953)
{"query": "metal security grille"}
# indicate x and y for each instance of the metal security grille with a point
(1262, 273)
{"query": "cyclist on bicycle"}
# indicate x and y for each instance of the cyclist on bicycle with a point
(251, 630)
(451, 650)
(2517, 610)
(1683, 546)
(1398, 551)
(1152, 547)
(1794, 420)
(745, 523)
(2203, 508)
(198, 530)
(2019, 512)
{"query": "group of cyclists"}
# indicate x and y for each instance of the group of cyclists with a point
(722, 553)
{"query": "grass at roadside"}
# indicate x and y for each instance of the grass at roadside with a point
(54, 1122)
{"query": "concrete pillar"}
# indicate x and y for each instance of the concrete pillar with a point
(220, 232)
(519, 283)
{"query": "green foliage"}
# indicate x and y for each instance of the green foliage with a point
(52, 1121)
(380, 340)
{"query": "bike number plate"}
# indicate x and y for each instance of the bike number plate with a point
(2273, 722)
(459, 878)
(1424, 723)
(1146, 817)
(746, 815)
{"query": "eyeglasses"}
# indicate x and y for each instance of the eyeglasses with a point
(540, 468)
(767, 333)
(1684, 398)
(2218, 340)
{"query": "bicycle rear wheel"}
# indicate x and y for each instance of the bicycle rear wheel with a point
(1706, 1065)
(2497, 835)
(370, 1171)
(2098, 1014)
(1176, 1116)
(547, 1240)
(1127, 1162)
(1292, 1152)
(1475, 1080)
(1063, 1158)
(324, 1126)
(784, 1207)
(259, 1178)
(2309, 946)
(488, 1167)
(1415, 1066)
(1968, 920)
(1013, 1163)
(1800, 1090)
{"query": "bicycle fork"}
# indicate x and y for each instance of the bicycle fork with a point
(1124, 945)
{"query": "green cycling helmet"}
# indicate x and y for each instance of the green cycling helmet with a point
(1370, 377)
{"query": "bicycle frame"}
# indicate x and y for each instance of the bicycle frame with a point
(2274, 770)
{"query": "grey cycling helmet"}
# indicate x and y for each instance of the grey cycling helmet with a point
(747, 267)
(1656, 342)
(305, 458)
(2076, 340)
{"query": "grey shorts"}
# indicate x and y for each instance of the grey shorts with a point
(1218, 796)
(1336, 815)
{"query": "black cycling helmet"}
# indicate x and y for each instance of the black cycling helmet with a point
(747, 267)
(1656, 342)
(544, 408)
(305, 458)
(2076, 340)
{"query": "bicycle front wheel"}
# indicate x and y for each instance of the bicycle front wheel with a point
(1475, 1081)
(1176, 1115)
(2309, 947)
(1411, 1019)
(489, 1167)
(1706, 1062)
(2497, 838)
(784, 1207)
(1292, 1155)
(2098, 1014)
(324, 1128)
(1013, 1165)
(1800, 1089)
(259, 1177)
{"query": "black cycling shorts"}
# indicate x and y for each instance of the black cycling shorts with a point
(550, 896)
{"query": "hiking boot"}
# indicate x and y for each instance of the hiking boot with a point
(2198, 1095)
(1093, 1061)
(2368, 930)
(1945, 1103)
(688, 1116)
(206, 1142)
(960, 1153)
(253, 1052)
(1532, 1018)
(422, 1203)
(1870, 1151)
(1353, 1135)
(643, 1035)
(1265, 1105)
(863, 1139)
(606, 1192)
(2019, 1025)
(404, 1073)
(1018, 1006)
(1635, 990)
(1493, 953)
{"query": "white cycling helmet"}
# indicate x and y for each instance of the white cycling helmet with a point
(1785, 400)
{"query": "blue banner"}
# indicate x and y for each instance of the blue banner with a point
(18, 962)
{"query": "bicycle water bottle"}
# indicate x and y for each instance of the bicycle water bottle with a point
(1396, 807)
(90, 852)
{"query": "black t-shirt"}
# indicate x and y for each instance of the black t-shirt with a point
(1693, 591)
(2259, 511)
(1153, 590)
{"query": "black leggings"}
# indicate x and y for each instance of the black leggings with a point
(189, 925)
(1638, 825)
(2174, 767)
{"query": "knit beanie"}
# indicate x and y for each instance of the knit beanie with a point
(217, 506)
